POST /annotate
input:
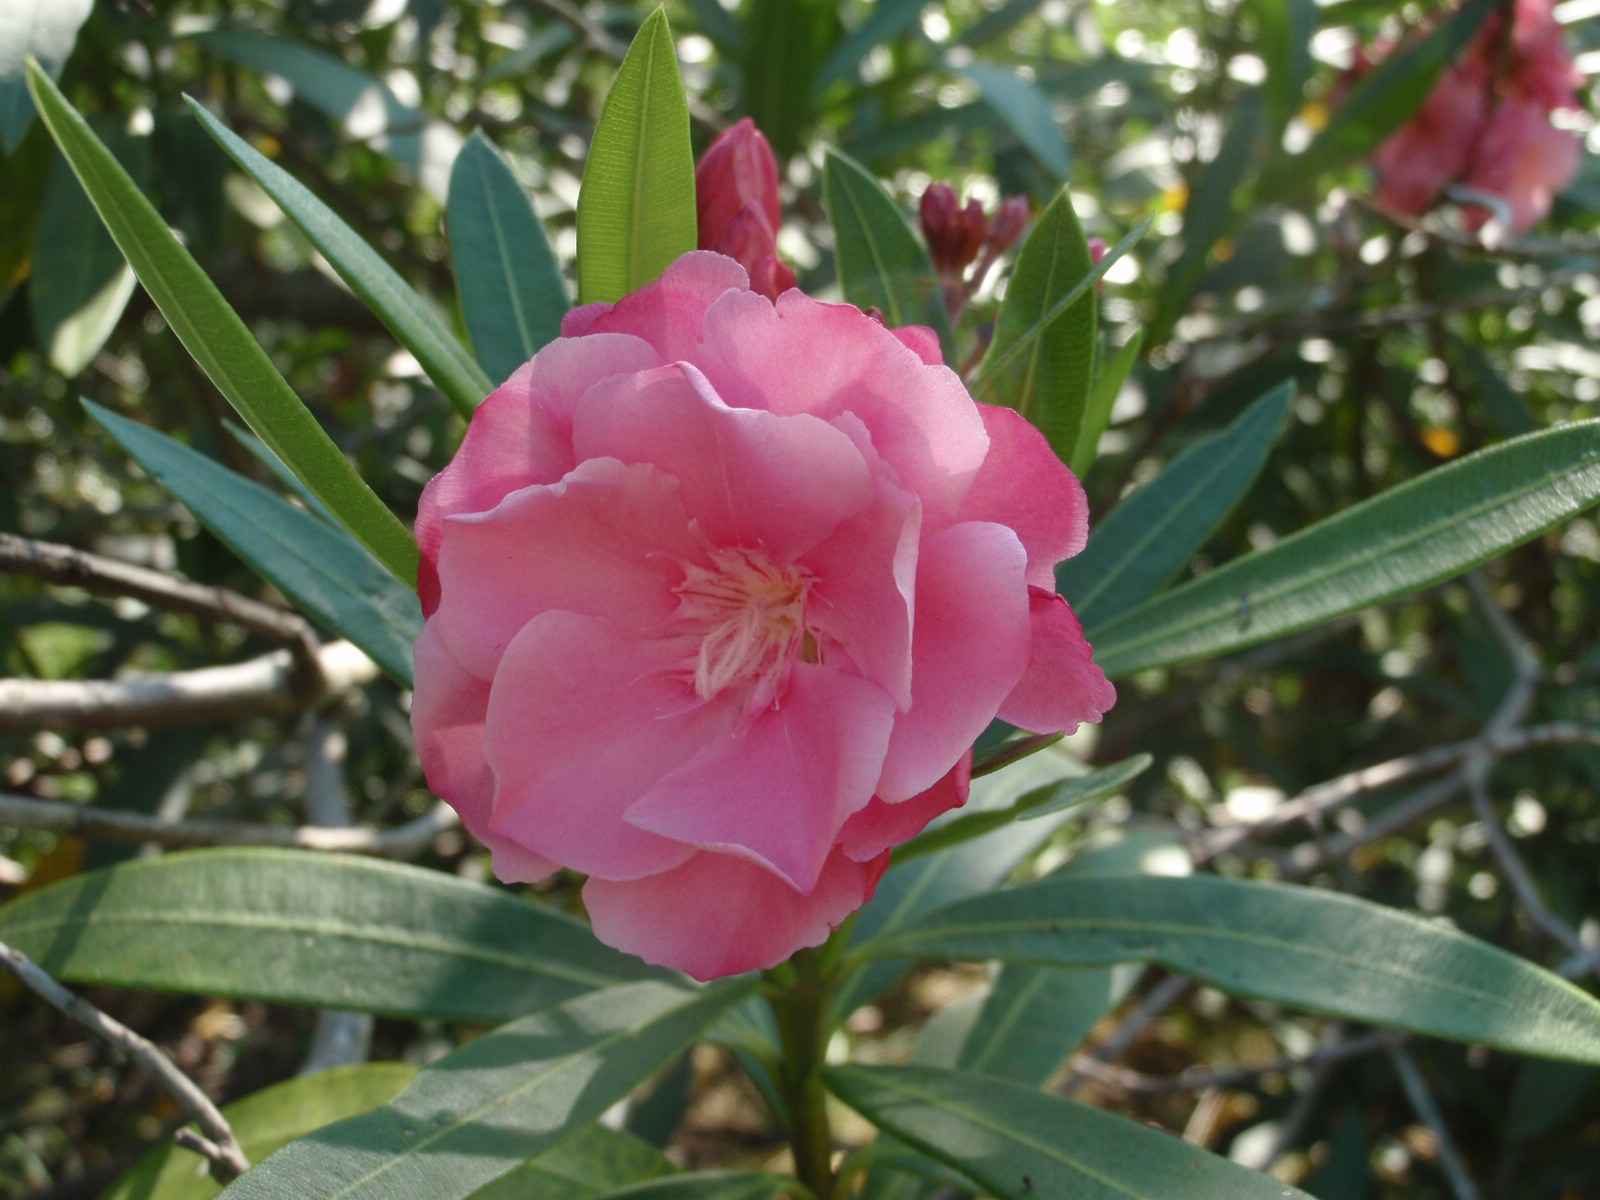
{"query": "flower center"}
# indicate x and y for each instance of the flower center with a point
(750, 615)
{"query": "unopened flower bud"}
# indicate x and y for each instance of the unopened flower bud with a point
(739, 209)
(954, 234)
(1010, 222)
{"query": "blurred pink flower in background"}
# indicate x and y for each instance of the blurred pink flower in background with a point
(720, 593)
(1486, 124)
(740, 210)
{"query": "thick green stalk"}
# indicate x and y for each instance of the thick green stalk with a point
(800, 1006)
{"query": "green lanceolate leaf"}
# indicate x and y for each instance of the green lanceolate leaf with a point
(1426, 530)
(1385, 99)
(479, 1112)
(1317, 950)
(782, 44)
(881, 263)
(326, 930)
(281, 473)
(320, 567)
(1018, 1143)
(1026, 112)
(1102, 398)
(1152, 535)
(216, 337)
(636, 209)
(265, 1122)
(1506, 410)
(592, 1162)
(884, 22)
(401, 310)
(1048, 380)
(714, 1185)
(1285, 28)
(512, 293)
(41, 29)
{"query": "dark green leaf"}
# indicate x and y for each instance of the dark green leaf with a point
(479, 1112)
(714, 1185)
(1298, 946)
(782, 45)
(1102, 398)
(1285, 29)
(885, 21)
(881, 263)
(1426, 530)
(219, 341)
(1506, 410)
(281, 473)
(636, 209)
(1152, 535)
(1020, 1144)
(317, 565)
(265, 1122)
(326, 930)
(401, 310)
(582, 1166)
(512, 293)
(1026, 112)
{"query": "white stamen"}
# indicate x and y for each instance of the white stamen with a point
(750, 613)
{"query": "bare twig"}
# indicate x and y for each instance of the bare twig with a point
(1309, 857)
(69, 567)
(1160, 998)
(256, 686)
(1197, 1079)
(79, 820)
(1416, 1088)
(215, 1140)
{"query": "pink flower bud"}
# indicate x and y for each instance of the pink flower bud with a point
(736, 197)
(1097, 250)
(1010, 222)
(954, 235)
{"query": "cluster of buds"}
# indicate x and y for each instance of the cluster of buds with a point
(736, 195)
(1484, 132)
(956, 236)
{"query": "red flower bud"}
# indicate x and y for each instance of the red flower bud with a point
(736, 197)
(1010, 221)
(954, 235)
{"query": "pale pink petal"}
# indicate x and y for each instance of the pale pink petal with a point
(670, 313)
(747, 478)
(447, 715)
(802, 356)
(880, 826)
(1023, 484)
(717, 915)
(969, 647)
(583, 719)
(1431, 150)
(576, 322)
(777, 787)
(607, 540)
(519, 436)
(1525, 160)
(921, 341)
(865, 588)
(1062, 687)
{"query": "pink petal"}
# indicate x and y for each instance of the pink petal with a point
(606, 540)
(881, 825)
(1431, 150)
(583, 719)
(1525, 160)
(969, 647)
(1062, 687)
(517, 437)
(747, 478)
(921, 341)
(1023, 484)
(577, 321)
(447, 714)
(777, 787)
(866, 583)
(717, 915)
(670, 312)
(801, 356)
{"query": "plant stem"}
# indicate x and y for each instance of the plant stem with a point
(800, 1007)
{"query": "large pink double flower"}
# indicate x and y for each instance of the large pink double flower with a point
(720, 592)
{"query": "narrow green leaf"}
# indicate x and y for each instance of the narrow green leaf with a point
(1303, 947)
(281, 473)
(714, 1185)
(1088, 789)
(326, 930)
(1048, 380)
(880, 261)
(782, 45)
(361, 105)
(1506, 410)
(636, 209)
(265, 1122)
(964, 870)
(1383, 100)
(584, 1165)
(216, 337)
(884, 22)
(479, 1112)
(1426, 530)
(512, 293)
(1025, 344)
(1152, 535)
(1018, 1143)
(45, 30)
(1102, 399)
(320, 567)
(1285, 28)
(1026, 112)
(401, 310)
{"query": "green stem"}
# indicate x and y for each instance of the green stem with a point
(800, 1006)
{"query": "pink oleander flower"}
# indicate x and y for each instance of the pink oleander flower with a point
(740, 210)
(1525, 161)
(1432, 150)
(720, 591)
